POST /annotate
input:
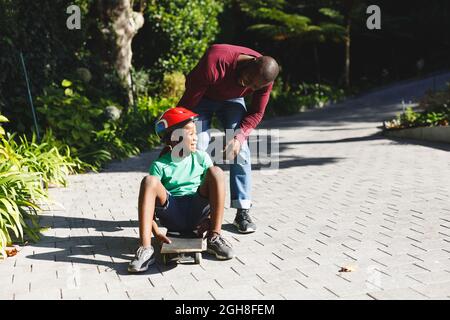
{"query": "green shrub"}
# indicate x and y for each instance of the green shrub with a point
(435, 108)
(173, 85)
(409, 116)
(19, 194)
(111, 140)
(153, 107)
(301, 97)
(38, 30)
(44, 158)
(181, 32)
(138, 126)
(20, 191)
(97, 130)
(91, 128)
(70, 113)
(141, 82)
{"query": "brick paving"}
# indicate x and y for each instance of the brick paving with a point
(344, 196)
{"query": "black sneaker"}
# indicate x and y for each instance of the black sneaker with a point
(218, 246)
(243, 221)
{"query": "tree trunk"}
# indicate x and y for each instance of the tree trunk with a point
(349, 6)
(119, 24)
(347, 52)
(317, 62)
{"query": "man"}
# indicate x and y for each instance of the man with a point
(217, 85)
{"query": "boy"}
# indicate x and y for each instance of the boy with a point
(183, 190)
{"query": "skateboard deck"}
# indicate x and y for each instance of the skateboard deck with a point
(183, 249)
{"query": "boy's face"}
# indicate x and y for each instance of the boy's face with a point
(190, 137)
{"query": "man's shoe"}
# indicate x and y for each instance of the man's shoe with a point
(243, 221)
(143, 258)
(218, 246)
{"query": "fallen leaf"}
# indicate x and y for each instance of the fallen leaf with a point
(11, 252)
(347, 269)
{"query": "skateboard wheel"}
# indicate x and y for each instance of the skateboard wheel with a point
(198, 257)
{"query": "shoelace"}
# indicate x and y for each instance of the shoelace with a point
(140, 252)
(244, 216)
(222, 241)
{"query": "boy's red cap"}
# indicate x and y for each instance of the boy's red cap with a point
(173, 118)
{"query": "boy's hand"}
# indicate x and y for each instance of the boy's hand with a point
(232, 149)
(162, 238)
(203, 227)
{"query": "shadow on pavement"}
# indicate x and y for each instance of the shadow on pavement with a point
(435, 145)
(230, 228)
(285, 162)
(101, 250)
(341, 129)
(375, 136)
(79, 222)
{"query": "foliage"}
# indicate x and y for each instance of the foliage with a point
(301, 97)
(141, 82)
(70, 113)
(288, 31)
(138, 126)
(434, 110)
(43, 158)
(19, 195)
(173, 85)
(111, 139)
(37, 29)
(86, 125)
(21, 188)
(180, 31)
(95, 128)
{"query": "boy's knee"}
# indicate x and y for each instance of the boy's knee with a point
(216, 172)
(149, 181)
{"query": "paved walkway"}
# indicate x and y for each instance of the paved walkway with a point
(344, 197)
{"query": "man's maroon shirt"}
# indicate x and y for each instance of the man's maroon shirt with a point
(215, 78)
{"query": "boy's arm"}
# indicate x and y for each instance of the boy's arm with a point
(158, 234)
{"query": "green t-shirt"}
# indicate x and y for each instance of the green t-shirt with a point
(183, 177)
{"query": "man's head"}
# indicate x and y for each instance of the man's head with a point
(258, 73)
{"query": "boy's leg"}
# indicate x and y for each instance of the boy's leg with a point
(151, 190)
(213, 188)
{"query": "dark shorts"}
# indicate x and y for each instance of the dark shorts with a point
(183, 213)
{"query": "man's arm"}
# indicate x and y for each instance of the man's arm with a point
(197, 82)
(193, 94)
(255, 113)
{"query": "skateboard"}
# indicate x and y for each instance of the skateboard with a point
(186, 248)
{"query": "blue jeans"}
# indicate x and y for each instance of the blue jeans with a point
(230, 113)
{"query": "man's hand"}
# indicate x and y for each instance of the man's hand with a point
(232, 149)
(162, 238)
